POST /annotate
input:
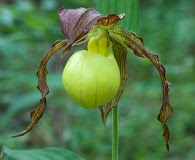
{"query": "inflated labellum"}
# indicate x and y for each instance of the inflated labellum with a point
(96, 77)
(92, 77)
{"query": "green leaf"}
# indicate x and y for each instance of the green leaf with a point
(50, 153)
(129, 7)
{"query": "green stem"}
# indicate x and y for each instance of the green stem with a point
(115, 133)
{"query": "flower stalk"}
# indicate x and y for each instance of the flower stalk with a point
(115, 133)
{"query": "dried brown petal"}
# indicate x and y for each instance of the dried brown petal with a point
(135, 44)
(76, 23)
(42, 85)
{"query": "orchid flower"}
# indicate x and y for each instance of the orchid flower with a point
(96, 77)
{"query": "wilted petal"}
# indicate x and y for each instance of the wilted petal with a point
(135, 43)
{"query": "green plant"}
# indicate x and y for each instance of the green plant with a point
(124, 19)
(121, 40)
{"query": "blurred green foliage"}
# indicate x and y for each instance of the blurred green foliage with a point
(49, 153)
(28, 29)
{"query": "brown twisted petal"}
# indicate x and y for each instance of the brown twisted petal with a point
(42, 85)
(76, 23)
(135, 43)
(120, 53)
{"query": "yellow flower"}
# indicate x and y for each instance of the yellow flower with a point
(96, 77)
(92, 77)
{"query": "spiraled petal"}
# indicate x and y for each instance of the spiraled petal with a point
(42, 85)
(135, 44)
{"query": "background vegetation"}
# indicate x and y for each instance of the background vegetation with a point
(28, 29)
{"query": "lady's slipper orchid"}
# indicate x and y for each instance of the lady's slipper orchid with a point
(105, 62)
(92, 78)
